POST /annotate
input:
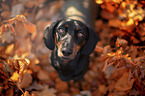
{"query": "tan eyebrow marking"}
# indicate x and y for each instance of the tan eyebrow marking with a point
(78, 28)
(66, 25)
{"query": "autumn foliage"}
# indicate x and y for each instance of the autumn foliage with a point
(117, 65)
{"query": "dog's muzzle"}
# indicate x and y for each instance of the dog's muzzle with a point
(67, 52)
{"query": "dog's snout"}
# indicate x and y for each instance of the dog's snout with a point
(67, 52)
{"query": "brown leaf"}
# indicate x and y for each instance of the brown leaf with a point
(103, 89)
(114, 23)
(27, 80)
(35, 86)
(43, 75)
(106, 14)
(6, 37)
(30, 27)
(123, 84)
(10, 92)
(61, 86)
(121, 42)
(74, 90)
(64, 94)
(6, 14)
(47, 92)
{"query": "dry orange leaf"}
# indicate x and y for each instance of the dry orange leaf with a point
(114, 23)
(110, 8)
(4, 28)
(30, 27)
(43, 75)
(10, 92)
(103, 89)
(21, 18)
(74, 91)
(61, 86)
(123, 84)
(106, 14)
(121, 42)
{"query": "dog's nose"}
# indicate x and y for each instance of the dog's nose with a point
(66, 52)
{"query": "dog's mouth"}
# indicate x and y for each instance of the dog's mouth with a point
(68, 58)
(65, 58)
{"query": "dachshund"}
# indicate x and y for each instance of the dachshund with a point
(71, 42)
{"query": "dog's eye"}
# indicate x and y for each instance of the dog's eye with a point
(61, 30)
(80, 34)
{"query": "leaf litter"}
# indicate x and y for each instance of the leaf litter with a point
(117, 65)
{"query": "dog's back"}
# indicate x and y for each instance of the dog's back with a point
(82, 10)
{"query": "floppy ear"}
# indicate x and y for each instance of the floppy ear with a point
(49, 35)
(90, 43)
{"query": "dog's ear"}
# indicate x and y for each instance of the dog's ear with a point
(90, 43)
(49, 35)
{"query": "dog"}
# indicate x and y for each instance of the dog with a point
(71, 41)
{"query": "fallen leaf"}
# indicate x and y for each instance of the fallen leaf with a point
(106, 14)
(64, 94)
(43, 75)
(48, 92)
(26, 81)
(123, 84)
(30, 27)
(103, 89)
(26, 94)
(121, 42)
(15, 76)
(10, 92)
(35, 86)
(10, 49)
(85, 93)
(74, 91)
(61, 86)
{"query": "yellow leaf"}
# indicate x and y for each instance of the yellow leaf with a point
(9, 49)
(15, 76)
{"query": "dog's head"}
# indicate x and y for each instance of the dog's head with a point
(70, 36)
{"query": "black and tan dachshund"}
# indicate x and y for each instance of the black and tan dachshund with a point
(71, 42)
